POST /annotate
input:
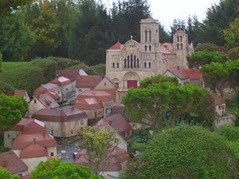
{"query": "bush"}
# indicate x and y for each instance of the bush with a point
(4, 174)
(234, 53)
(0, 62)
(230, 133)
(186, 152)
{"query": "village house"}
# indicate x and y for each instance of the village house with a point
(111, 168)
(127, 64)
(96, 103)
(93, 82)
(42, 101)
(22, 93)
(65, 86)
(185, 76)
(12, 163)
(30, 141)
(119, 123)
(72, 75)
(62, 122)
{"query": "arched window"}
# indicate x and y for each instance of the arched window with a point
(177, 46)
(134, 61)
(181, 46)
(131, 60)
(145, 65)
(150, 37)
(145, 48)
(117, 65)
(181, 38)
(150, 48)
(137, 63)
(177, 38)
(128, 62)
(146, 36)
(149, 64)
(113, 65)
(125, 63)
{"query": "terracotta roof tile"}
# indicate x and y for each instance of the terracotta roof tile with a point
(48, 87)
(70, 74)
(11, 162)
(164, 48)
(61, 81)
(115, 158)
(59, 115)
(24, 140)
(100, 95)
(117, 121)
(89, 81)
(180, 31)
(88, 104)
(116, 46)
(48, 101)
(20, 125)
(192, 74)
(33, 151)
(20, 93)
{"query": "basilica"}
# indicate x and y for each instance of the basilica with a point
(127, 64)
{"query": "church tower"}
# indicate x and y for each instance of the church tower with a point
(149, 35)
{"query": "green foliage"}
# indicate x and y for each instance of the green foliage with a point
(0, 62)
(211, 47)
(231, 34)
(2, 148)
(157, 80)
(234, 53)
(201, 58)
(12, 109)
(97, 142)
(6, 7)
(162, 104)
(186, 152)
(58, 170)
(230, 133)
(6, 174)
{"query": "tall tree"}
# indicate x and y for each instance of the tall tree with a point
(231, 34)
(7, 7)
(163, 35)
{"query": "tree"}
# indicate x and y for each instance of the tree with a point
(0, 62)
(201, 58)
(234, 53)
(97, 142)
(5, 174)
(211, 47)
(57, 169)
(154, 80)
(7, 7)
(164, 103)
(164, 36)
(15, 38)
(231, 34)
(12, 109)
(185, 152)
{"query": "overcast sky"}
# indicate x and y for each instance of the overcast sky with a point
(167, 10)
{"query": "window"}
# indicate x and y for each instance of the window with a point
(66, 89)
(95, 114)
(113, 65)
(177, 46)
(145, 48)
(125, 63)
(51, 132)
(81, 122)
(134, 62)
(108, 111)
(137, 63)
(149, 35)
(150, 48)
(52, 154)
(117, 85)
(146, 36)
(128, 62)
(181, 46)
(8, 136)
(117, 65)
(181, 38)
(145, 65)
(149, 64)
(177, 38)
(131, 60)
(35, 101)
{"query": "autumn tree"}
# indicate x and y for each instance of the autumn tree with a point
(6, 174)
(163, 104)
(185, 152)
(12, 109)
(57, 169)
(97, 141)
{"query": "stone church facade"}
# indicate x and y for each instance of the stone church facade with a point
(127, 64)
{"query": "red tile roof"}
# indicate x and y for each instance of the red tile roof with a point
(88, 104)
(115, 158)
(89, 81)
(11, 162)
(180, 31)
(59, 115)
(117, 121)
(48, 87)
(48, 101)
(22, 141)
(100, 95)
(192, 74)
(70, 74)
(165, 48)
(218, 99)
(61, 81)
(20, 125)
(116, 46)
(33, 151)
(20, 93)
(113, 92)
